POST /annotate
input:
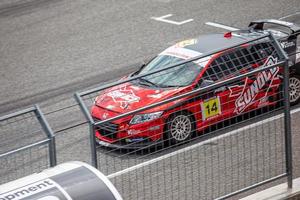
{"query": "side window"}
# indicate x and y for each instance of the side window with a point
(257, 52)
(254, 55)
(249, 57)
(261, 51)
(212, 72)
(223, 66)
(241, 59)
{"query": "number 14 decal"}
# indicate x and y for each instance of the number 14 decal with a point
(210, 108)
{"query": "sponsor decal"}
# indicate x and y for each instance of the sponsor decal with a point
(180, 52)
(104, 116)
(248, 94)
(134, 140)
(124, 97)
(186, 43)
(133, 132)
(235, 90)
(185, 54)
(110, 107)
(155, 96)
(137, 139)
(287, 44)
(158, 95)
(102, 143)
(153, 128)
(210, 108)
(135, 87)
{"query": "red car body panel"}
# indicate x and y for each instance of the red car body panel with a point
(249, 94)
(128, 97)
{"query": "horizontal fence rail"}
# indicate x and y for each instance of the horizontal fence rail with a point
(35, 149)
(188, 145)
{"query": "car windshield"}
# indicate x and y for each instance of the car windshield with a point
(181, 75)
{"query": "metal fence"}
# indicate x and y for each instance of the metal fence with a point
(237, 117)
(27, 145)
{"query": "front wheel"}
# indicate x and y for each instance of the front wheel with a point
(294, 89)
(180, 127)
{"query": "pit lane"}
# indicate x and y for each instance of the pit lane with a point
(50, 49)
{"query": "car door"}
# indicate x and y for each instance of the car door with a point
(234, 98)
(254, 91)
(214, 104)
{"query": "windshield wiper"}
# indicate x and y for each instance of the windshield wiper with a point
(143, 81)
(169, 86)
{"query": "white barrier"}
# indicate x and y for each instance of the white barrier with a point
(68, 181)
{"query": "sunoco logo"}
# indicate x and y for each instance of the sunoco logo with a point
(248, 94)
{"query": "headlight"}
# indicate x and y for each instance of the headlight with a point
(145, 117)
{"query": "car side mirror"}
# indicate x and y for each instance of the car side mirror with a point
(205, 83)
(144, 63)
(142, 66)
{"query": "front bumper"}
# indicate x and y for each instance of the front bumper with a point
(133, 145)
(124, 136)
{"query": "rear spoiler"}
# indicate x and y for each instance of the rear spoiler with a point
(259, 24)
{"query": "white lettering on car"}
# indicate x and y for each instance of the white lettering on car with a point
(110, 107)
(155, 96)
(287, 44)
(180, 52)
(248, 94)
(124, 97)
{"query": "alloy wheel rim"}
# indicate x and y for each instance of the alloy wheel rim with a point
(294, 89)
(181, 127)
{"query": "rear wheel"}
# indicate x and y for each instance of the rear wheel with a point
(294, 89)
(180, 127)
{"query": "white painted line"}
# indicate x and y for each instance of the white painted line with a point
(222, 26)
(149, 162)
(163, 19)
(287, 16)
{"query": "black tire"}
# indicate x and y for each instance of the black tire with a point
(294, 88)
(179, 128)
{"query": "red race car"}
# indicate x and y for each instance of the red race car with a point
(176, 121)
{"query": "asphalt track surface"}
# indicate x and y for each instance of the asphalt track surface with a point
(50, 49)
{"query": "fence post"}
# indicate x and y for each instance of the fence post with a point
(50, 135)
(91, 127)
(287, 126)
(287, 116)
(93, 146)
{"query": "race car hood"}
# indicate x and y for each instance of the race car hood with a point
(128, 97)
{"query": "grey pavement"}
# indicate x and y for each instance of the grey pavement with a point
(50, 49)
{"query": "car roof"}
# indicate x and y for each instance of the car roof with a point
(212, 42)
